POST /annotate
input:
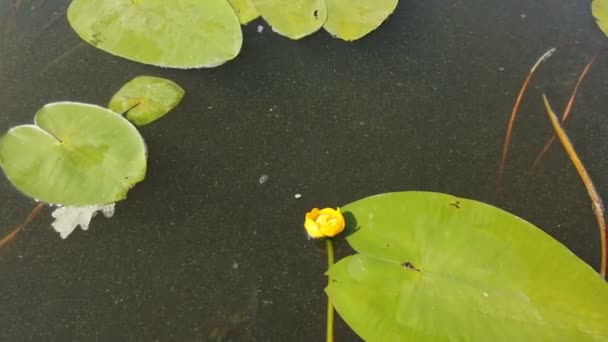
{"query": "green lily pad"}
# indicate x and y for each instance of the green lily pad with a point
(294, 19)
(352, 19)
(177, 34)
(434, 267)
(76, 154)
(245, 9)
(146, 99)
(599, 9)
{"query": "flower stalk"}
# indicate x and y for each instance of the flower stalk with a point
(330, 308)
(326, 223)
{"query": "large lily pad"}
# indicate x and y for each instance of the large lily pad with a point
(294, 19)
(599, 9)
(76, 154)
(146, 99)
(245, 9)
(352, 19)
(433, 267)
(178, 33)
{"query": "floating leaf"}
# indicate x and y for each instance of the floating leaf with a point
(350, 20)
(146, 99)
(76, 154)
(245, 10)
(294, 19)
(433, 267)
(599, 9)
(177, 34)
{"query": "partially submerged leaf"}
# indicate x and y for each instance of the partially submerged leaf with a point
(352, 19)
(599, 9)
(76, 154)
(294, 19)
(433, 267)
(68, 218)
(245, 10)
(146, 99)
(177, 34)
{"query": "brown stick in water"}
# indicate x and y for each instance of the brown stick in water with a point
(596, 201)
(566, 113)
(520, 96)
(12, 235)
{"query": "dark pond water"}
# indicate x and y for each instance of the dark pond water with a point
(201, 251)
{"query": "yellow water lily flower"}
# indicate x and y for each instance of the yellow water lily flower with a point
(327, 222)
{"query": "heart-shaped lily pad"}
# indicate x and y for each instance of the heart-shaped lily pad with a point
(352, 19)
(146, 99)
(434, 267)
(294, 19)
(178, 33)
(76, 154)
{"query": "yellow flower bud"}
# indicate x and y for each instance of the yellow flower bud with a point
(322, 223)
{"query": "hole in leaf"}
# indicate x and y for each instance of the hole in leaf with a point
(410, 266)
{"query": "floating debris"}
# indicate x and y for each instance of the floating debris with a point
(263, 179)
(68, 218)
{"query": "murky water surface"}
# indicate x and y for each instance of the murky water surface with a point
(204, 250)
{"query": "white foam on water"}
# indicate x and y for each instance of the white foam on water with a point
(68, 218)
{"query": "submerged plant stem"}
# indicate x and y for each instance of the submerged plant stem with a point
(520, 96)
(596, 201)
(330, 308)
(46, 27)
(62, 57)
(566, 113)
(12, 235)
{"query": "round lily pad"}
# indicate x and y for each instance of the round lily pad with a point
(352, 19)
(146, 99)
(245, 9)
(177, 34)
(294, 19)
(434, 267)
(76, 154)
